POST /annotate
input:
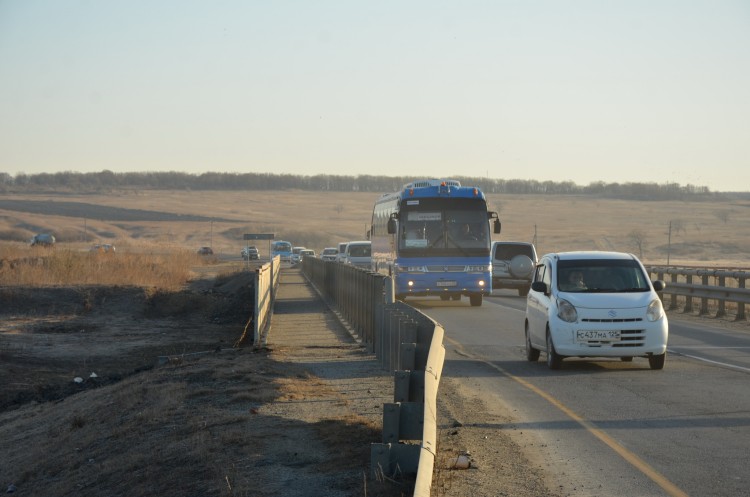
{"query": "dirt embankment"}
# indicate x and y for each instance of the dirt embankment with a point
(122, 391)
(52, 335)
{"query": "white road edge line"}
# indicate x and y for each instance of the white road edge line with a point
(703, 359)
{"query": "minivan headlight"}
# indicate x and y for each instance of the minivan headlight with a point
(655, 310)
(566, 311)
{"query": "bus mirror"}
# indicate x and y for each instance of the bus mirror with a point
(367, 235)
(497, 226)
(391, 226)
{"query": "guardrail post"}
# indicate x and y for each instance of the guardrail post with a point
(740, 305)
(390, 291)
(673, 299)
(408, 345)
(722, 311)
(688, 299)
(704, 300)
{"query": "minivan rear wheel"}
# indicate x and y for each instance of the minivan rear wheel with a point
(554, 360)
(532, 354)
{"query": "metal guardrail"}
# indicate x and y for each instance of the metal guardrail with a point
(728, 287)
(405, 341)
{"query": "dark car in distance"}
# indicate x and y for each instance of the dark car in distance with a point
(250, 253)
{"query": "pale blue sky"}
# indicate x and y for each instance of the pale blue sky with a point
(614, 91)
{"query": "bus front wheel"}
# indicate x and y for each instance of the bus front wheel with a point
(476, 300)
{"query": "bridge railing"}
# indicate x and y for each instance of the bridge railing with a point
(405, 341)
(266, 285)
(711, 289)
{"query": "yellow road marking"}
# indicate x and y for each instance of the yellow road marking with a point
(638, 463)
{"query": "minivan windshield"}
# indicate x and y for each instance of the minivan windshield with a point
(601, 276)
(359, 250)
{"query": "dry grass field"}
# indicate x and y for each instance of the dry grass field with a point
(715, 233)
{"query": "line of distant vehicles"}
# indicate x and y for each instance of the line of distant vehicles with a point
(356, 253)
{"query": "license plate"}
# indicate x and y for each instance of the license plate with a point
(446, 283)
(597, 335)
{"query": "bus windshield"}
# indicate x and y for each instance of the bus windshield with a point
(455, 228)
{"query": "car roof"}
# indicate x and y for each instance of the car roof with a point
(511, 243)
(590, 254)
(360, 242)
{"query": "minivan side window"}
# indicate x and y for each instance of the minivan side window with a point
(547, 276)
(539, 273)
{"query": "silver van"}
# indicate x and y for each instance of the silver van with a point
(359, 254)
(513, 265)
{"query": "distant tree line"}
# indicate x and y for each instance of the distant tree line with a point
(69, 182)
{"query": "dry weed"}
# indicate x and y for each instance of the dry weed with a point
(40, 267)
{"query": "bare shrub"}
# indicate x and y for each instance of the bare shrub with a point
(638, 240)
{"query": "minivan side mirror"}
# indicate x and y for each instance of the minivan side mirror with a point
(659, 285)
(539, 286)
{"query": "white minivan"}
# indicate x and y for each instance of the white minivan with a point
(341, 256)
(359, 253)
(595, 304)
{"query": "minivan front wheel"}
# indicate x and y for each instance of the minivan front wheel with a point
(554, 360)
(657, 361)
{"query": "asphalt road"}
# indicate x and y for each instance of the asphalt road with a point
(607, 427)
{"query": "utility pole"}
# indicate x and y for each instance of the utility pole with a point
(669, 241)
